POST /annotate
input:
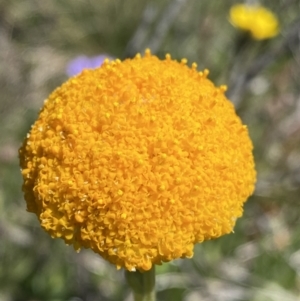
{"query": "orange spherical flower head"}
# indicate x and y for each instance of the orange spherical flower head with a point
(138, 160)
(258, 20)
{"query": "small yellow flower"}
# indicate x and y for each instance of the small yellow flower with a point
(259, 21)
(138, 160)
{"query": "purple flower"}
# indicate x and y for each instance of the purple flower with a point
(84, 62)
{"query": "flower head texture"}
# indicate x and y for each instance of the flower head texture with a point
(259, 21)
(138, 160)
(84, 62)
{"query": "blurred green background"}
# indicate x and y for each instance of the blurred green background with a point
(261, 260)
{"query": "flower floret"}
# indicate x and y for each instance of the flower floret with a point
(258, 20)
(138, 160)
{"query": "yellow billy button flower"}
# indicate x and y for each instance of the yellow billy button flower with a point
(138, 160)
(259, 21)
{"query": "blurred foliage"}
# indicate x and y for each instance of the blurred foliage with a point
(261, 260)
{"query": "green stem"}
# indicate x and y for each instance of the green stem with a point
(142, 284)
